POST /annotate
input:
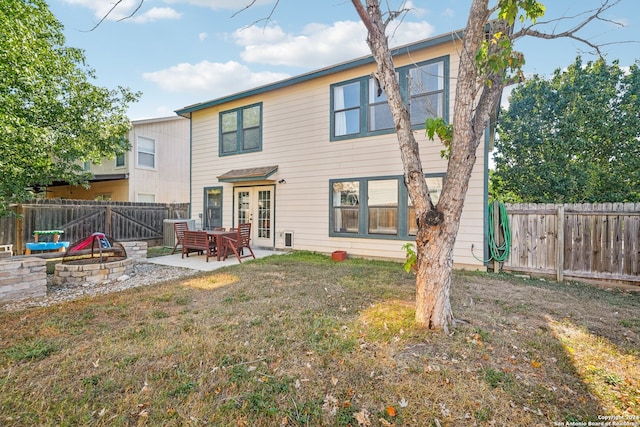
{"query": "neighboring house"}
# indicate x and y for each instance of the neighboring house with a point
(314, 163)
(156, 169)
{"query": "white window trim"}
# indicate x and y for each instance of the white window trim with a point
(154, 153)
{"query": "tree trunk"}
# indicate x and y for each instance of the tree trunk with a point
(437, 225)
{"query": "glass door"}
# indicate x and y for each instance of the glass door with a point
(212, 208)
(255, 205)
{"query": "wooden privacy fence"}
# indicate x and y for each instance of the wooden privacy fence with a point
(580, 241)
(122, 221)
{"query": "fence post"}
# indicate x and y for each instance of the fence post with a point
(18, 248)
(496, 233)
(560, 245)
(107, 221)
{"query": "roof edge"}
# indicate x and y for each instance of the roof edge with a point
(408, 48)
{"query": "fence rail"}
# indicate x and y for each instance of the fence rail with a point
(580, 241)
(122, 221)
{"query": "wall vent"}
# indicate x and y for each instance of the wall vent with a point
(288, 239)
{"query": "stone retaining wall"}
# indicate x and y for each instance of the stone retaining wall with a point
(26, 276)
(22, 278)
(92, 273)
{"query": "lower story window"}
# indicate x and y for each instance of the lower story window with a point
(382, 202)
(435, 188)
(346, 206)
(376, 207)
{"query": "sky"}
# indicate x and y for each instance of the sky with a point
(182, 52)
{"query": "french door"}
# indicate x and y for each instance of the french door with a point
(255, 205)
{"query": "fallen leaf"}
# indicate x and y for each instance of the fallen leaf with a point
(536, 364)
(362, 418)
(391, 411)
(403, 403)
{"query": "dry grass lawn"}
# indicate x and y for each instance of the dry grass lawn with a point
(299, 340)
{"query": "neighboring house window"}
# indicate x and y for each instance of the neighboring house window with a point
(241, 130)
(146, 152)
(102, 197)
(120, 161)
(146, 198)
(376, 207)
(86, 166)
(360, 107)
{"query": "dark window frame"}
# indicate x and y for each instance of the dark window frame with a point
(403, 228)
(240, 131)
(403, 78)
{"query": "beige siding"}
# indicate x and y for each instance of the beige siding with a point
(168, 181)
(296, 137)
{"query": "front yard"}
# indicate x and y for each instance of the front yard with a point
(301, 340)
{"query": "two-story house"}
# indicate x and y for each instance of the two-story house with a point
(156, 169)
(314, 164)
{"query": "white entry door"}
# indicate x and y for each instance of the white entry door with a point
(255, 205)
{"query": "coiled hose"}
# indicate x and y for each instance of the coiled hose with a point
(498, 253)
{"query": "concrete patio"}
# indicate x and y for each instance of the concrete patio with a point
(198, 262)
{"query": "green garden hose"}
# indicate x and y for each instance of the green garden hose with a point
(498, 253)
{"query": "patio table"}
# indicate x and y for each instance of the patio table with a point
(218, 236)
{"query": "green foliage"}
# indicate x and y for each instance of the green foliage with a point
(496, 56)
(437, 126)
(51, 117)
(411, 257)
(572, 138)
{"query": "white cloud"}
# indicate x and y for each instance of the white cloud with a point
(156, 14)
(202, 36)
(408, 32)
(211, 78)
(319, 45)
(223, 4)
(125, 9)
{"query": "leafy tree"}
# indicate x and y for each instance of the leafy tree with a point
(51, 117)
(573, 138)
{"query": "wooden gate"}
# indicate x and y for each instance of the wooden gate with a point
(122, 221)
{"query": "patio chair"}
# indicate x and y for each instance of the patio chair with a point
(179, 228)
(239, 243)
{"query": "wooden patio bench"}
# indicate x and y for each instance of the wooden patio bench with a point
(197, 241)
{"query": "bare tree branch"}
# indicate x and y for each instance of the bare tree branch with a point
(592, 15)
(107, 14)
(134, 11)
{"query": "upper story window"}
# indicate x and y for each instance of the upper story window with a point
(379, 111)
(241, 130)
(360, 107)
(146, 150)
(120, 161)
(426, 88)
(346, 109)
